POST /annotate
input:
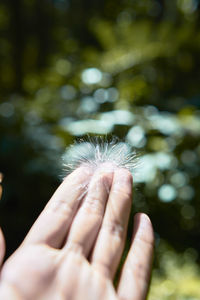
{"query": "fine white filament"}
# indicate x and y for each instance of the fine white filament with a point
(97, 150)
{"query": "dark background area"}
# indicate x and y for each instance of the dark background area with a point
(132, 68)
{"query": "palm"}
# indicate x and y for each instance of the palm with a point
(71, 275)
(74, 248)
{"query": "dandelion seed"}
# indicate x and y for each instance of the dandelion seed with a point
(94, 151)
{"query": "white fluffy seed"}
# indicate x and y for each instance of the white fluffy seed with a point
(97, 150)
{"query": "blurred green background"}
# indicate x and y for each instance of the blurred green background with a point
(129, 68)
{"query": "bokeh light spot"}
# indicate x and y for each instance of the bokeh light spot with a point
(88, 105)
(186, 192)
(187, 211)
(136, 136)
(165, 161)
(167, 193)
(63, 67)
(68, 92)
(119, 117)
(89, 126)
(147, 170)
(6, 109)
(101, 95)
(179, 179)
(187, 6)
(166, 123)
(91, 76)
(188, 157)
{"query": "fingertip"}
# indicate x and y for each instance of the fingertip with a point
(2, 246)
(123, 182)
(142, 218)
(103, 176)
(143, 227)
(126, 175)
(83, 171)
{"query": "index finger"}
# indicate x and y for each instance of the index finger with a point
(53, 223)
(1, 189)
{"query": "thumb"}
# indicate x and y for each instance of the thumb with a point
(2, 240)
(2, 247)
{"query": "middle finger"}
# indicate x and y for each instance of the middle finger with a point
(88, 220)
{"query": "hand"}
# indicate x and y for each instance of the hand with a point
(75, 246)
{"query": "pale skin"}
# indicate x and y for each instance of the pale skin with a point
(74, 248)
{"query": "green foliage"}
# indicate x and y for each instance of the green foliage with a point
(177, 277)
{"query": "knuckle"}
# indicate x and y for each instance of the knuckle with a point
(104, 180)
(115, 229)
(145, 239)
(74, 247)
(123, 193)
(102, 267)
(124, 175)
(92, 205)
(59, 207)
(140, 270)
(123, 184)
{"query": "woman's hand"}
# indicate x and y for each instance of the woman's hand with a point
(74, 248)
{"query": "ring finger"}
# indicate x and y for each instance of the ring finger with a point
(110, 243)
